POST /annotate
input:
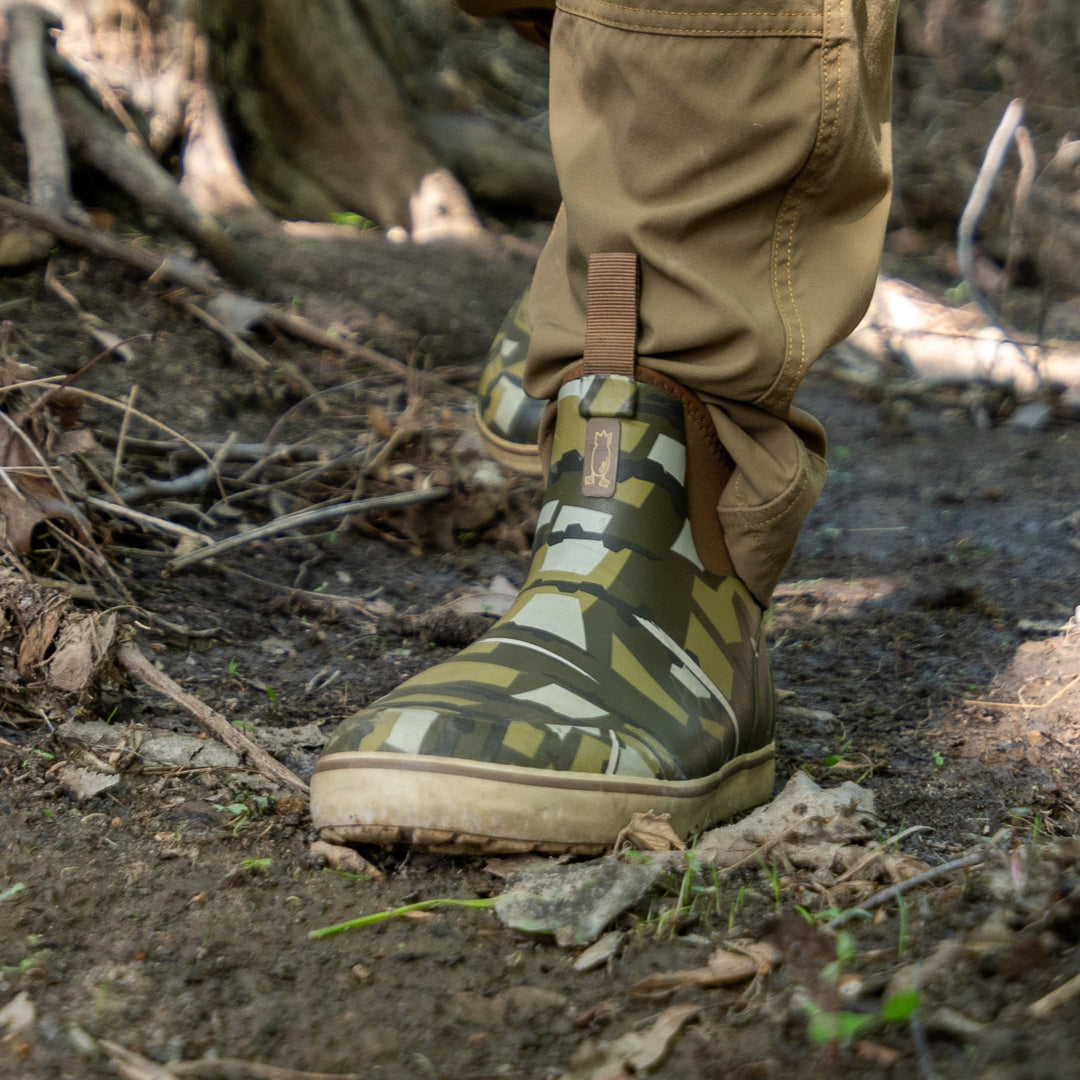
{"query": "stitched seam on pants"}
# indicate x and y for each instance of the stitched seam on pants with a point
(778, 395)
(636, 19)
(787, 499)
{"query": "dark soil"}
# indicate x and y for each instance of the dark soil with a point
(159, 917)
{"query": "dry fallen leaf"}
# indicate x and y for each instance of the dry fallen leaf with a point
(345, 859)
(649, 832)
(83, 784)
(631, 1054)
(735, 963)
(28, 495)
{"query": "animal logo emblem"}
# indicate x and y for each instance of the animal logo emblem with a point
(601, 458)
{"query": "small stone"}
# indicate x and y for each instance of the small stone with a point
(360, 972)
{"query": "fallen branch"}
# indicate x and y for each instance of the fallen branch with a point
(134, 661)
(132, 1066)
(894, 891)
(48, 171)
(177, 271)
(108, 149)
(93, 324)
(296, 326)
(980, 195)
(311, 516)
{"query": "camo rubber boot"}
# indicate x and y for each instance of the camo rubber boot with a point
(509, 420)
(630, 674)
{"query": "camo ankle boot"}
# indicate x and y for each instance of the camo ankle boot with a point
(509, 420)
(630, 674)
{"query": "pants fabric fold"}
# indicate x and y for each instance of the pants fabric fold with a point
(742, 151)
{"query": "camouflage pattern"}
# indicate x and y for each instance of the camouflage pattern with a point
(622, 656)
(508, 418)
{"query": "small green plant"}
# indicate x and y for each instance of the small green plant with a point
(902, 931)
(842, 1027)
(234, 666)
(271, 693)
(12, 890)
(255, 866)
(33, 960)
(241, 813)
(846, 952)
(736, 907)
(482, 904)
(772, 874)
(939, 759)
(355, 221)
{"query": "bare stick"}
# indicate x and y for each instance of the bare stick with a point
(147, 521)
(108, 148)
(46, 152)
(885, 895)
(237, 1069)
(168, 269)
(297, 326)
(133, 659)
(980, 195)
(93, 324)
(309, 517)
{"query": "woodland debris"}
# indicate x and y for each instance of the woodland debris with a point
(649, 831)
(82, 784)
(600, 952)
(124, 745)
(347, 860)
(132, 658)
(634, 1054)
(46, 152)
(326, 512)
(911, 331)
(734, 963)
(820, 828)
(93, 325)
(113, 152)
(576, 903)
(167, 267)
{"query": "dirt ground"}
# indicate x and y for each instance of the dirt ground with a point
(170, 913)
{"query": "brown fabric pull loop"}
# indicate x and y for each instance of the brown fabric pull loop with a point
(611, 314)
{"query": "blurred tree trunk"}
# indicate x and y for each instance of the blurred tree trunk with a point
(324, 107)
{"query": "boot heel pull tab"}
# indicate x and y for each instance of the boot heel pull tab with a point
(611, 318)
(608, 390)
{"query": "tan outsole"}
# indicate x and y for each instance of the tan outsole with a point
(520, 457)
(457, 807)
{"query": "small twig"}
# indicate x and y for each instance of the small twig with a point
(1061, 995)
(1024, 182)
(237, 1069)
(165, 268)
(901, 887)
(147, 521)
(922, 1048)
(309, 517)
(298, 327)
(125, 423)
(980, 195)
(92, 323)
(132, 658)
(1023, 705)
(147, 418)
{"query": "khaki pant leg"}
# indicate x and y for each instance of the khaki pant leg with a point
(742, 152)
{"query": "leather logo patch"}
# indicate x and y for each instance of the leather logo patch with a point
(601, 458)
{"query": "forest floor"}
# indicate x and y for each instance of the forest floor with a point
(169, 914)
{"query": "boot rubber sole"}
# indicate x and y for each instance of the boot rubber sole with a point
(451, 806)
